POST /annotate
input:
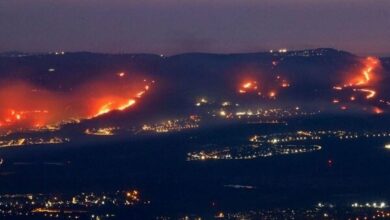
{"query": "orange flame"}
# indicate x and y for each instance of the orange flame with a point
(366, 75)
(378, 110)
(370, 93)
(25, 106)
(248, 86)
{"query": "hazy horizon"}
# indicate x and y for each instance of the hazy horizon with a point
(189, 52)
(174, 27)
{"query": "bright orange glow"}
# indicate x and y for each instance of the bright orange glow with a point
(364, 82)
(139, 95)
(248, 86)
(25, 106)
(370, 93)
(104, 109)
(366, 75)
(45, 210)
(127, 105)
(11, 116)
(378, 110)
(269, 87)
(114, 105)
(122, 74)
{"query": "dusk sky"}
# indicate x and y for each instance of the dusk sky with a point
(177, 26)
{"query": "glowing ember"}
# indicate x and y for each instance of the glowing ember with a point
(378, 110)
(248, 86)
(270, 87)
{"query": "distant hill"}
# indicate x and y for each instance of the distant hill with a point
(311, 75)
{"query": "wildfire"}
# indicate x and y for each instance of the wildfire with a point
(24, 106)
(104, 109)
(363, 82)
(370, 93)
(366, 75)
(127, 105)
(248, 86)
(268, 91)
(118, 103)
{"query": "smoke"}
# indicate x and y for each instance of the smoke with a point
(24, 105)
(362, 87)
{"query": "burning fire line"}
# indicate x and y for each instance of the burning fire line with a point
(370, 93)
(363, 82)
(24, 109)
(366, 75)
(120, 105)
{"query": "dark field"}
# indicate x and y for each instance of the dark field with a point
(157, 166)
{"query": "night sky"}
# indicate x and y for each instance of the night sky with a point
(176, 26)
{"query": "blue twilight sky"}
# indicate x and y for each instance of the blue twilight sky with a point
(176, 26)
